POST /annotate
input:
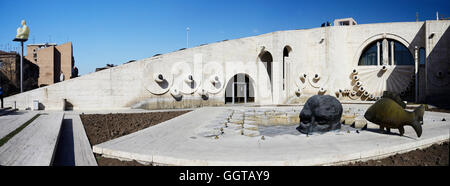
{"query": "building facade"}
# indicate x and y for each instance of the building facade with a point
(9, 78)
(354, 62)
(55, 61)
(10, 73)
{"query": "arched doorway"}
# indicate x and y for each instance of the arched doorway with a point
(240, 89)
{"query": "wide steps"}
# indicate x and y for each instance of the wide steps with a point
(3, 109)
(7, 110)
(74, 148)
(35, 145)
(10, 123)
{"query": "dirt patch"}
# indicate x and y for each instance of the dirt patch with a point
(102, 161)
(435, 155)
(104, 127)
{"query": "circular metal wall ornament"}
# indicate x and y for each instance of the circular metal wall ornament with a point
(300, 81)
(175, 93)
(185, 81)
(156, 79)
(353, 95)
(322, 90)
(438, 74)
(375, 80)
(317, 80)
(214, 77)
(298, 92)
(203, 92)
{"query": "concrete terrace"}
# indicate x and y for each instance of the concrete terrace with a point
(190, 140)
(178, 142)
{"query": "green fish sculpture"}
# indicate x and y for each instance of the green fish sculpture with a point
(395, 97)
(389, 114)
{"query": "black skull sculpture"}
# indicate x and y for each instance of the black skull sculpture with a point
(321, 113)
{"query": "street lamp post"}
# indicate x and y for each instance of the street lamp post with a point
(1, 84)
(21, 61)
(187, 37)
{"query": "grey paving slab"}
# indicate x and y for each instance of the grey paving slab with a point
(74, 148)
(35, 144)
(181, 141)
(7, 111)
(83, 149)
(9, 123)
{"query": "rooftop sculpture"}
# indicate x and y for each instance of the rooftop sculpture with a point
(23, 32)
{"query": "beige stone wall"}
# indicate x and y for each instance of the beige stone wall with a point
(331, 52)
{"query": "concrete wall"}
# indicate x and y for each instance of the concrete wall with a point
(330, 52)
(107, 89)
(437, 48)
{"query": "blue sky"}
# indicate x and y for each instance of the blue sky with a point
(116, 31)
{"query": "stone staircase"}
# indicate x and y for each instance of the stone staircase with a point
(73, 148)
(11, 122)
(35, 144)
(50, 139)
(6, 111)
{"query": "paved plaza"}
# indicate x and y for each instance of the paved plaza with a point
(196, 138)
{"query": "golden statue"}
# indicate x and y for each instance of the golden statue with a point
(22, 33)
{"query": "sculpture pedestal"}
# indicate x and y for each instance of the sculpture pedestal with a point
(21, 60)
(19, 40)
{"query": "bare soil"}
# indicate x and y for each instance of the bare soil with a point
(435, 155)
(102, 161)
(104, 127)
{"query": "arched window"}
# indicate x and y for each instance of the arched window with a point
(369, 56)
(397, 54)
(286, 51)
(266, 59)
(402, 56)
(422, 56)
